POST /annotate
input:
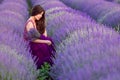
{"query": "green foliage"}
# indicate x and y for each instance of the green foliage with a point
(29, 6)
(44, 72)
(117, 28)
(7, 77)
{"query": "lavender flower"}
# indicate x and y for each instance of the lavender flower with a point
(15, 66)
(115, 1)
(80, 55)
(1, 1)
(13, 20)
(16, 62)
(98, 10)
(22, 2)
(14, 7)
(85, 49)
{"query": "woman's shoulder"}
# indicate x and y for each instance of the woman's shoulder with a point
(29, 25)
(29, 21)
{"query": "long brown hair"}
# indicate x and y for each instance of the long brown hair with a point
(40, 24)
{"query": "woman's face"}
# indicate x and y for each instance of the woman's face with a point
(38, 16)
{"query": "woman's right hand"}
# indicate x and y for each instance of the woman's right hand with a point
(49, 42)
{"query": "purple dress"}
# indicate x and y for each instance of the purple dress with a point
(41, 51)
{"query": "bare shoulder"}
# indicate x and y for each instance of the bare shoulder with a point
(29, 26)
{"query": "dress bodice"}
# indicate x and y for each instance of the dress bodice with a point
(32, 33)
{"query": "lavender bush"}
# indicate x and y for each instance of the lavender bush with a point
(89, 53)
(61, 16)
(16, 62)
(14, 20)
(14, 7)
(116, 1)
(86, 50)
(11, 14)
(52, 4)
(109, 0)
(100, 10)
(112, 76)
(1, 1)
(22, 2)
(15, 66)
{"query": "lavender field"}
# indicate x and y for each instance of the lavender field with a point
(86, 34)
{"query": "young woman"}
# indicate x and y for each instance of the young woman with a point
(41, 46)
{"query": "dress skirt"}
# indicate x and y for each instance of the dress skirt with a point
(43, 52)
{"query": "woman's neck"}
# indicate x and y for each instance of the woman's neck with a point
(33, 19)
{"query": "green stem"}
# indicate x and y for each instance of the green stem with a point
(29, 6)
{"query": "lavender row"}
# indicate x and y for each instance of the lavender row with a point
(14, 7)
(16, 63)
(1, 1)
(116, 1)
(14, 15)
(62, 18)
(85, 48)
(102, 11)
(22, 2)
(88, 53)
(61, 15)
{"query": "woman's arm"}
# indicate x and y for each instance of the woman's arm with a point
(33, 35)
(40, 41)
(45, 33)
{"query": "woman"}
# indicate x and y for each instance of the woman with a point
(41, 46)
